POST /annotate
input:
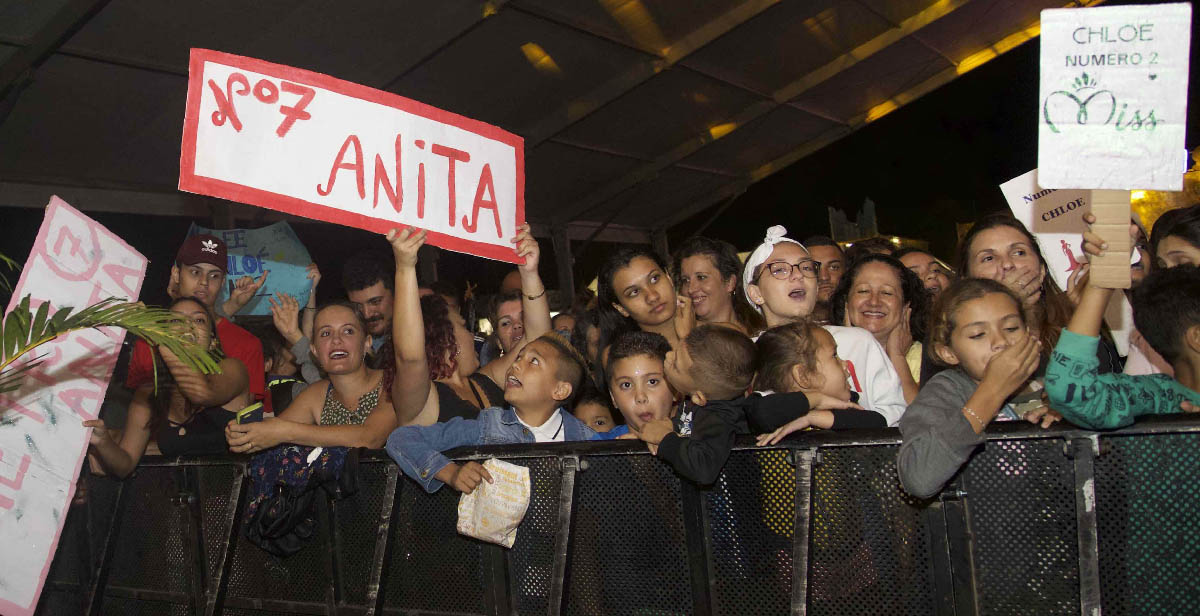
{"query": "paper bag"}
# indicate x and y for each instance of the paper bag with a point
(493, 511)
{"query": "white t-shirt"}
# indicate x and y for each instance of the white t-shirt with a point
(549, 432)
(872, 374)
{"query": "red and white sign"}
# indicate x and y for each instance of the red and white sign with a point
(315, 146)
(74, 262)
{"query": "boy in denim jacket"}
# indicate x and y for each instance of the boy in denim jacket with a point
(539, 385)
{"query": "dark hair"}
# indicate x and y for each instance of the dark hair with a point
(589, 393)
(961, 291)
(1182, 222)
(820, 240)
(446, 289)
(782, 347)
(583, 322)
(572, 367)
(1053, 304)
(160, 400)
(722, 360)
(365, 268)
(911, 286)
(441, 349)
(725, 257)
(262, 328)
(1165, 305)
(493, 314)
(869, 246)
(611, 322)
(632, 344)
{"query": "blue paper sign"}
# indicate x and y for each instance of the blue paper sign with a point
(273, 248)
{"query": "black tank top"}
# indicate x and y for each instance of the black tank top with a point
(450, 405)
(203, 433)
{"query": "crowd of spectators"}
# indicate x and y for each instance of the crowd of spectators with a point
(682, 352)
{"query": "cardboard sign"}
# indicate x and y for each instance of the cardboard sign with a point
(1112, 108)
(274, 248)
(1055, 217)
(74, 262)
(315, 146)
(493, 511)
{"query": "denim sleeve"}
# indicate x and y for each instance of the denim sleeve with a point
(417, 449)
(1097, 401)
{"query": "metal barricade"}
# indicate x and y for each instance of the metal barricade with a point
(1058, 521)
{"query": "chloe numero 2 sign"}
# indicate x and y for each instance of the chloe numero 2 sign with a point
(1112, 105)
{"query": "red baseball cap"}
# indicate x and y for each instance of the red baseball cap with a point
(203, 248)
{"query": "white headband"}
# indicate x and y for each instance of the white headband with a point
(775, 235)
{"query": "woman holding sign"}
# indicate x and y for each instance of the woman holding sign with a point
(437, 371)
(999, 247)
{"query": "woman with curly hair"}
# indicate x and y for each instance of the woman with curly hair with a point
(438, 375)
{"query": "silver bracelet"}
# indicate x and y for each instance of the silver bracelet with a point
(970, 411)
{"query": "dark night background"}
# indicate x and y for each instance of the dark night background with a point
(927, 166)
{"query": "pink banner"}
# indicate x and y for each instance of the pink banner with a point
(74, 262)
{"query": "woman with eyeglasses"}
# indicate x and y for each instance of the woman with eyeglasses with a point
(780, 280)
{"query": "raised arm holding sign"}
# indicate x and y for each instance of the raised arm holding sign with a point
(315, 146)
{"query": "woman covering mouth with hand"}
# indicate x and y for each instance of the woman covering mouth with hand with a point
(351, 408)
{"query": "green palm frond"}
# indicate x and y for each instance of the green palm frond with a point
(13, 266)
(23, 330)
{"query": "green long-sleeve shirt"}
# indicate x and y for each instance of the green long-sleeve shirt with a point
(1102, 401)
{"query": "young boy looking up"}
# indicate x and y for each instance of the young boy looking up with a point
(539, 385)
(1166, 310)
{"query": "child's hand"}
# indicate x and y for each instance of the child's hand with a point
(818, 400)
(405, 244)
(468, 476)
(1093, 244)
(799, 423)
(1043, 415)
(1012, 367)
(528, 248)
(654, 432)
(1188, 407)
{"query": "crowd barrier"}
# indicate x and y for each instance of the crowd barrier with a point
(1058, 521)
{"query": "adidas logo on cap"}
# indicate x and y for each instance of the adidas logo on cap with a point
(208, 246)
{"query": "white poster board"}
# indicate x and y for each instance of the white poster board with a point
(1055, 217)
(75, 262)
(311, 145)
(1112, 109)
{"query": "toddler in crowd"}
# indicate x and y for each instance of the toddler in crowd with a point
(593, 409)
(539, 384)
(1166, 310)
(802, 357)
(979, 330)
